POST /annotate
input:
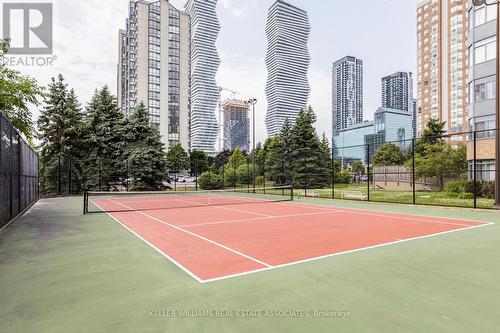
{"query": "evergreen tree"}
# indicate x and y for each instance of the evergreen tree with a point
(106, 141)
(199, 162)
(326, 152)
(145, 153)
(309, 163)
(60, 132)
(177, 159)
(433, 133)
(275, 163)
(279, 154)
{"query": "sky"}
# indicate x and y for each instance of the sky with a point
(380, 32)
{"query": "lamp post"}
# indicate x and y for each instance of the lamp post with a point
(477, 3)
(252, 102)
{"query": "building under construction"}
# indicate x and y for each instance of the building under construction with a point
(236, 124)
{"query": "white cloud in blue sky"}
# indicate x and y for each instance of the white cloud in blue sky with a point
(381, 32)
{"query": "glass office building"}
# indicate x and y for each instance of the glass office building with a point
(389, 125)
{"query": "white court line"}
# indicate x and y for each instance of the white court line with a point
(343, 252)
(194, 276)
(226, 208)
(269, 267)
(389, 214)
(256, 219)
(198, 236)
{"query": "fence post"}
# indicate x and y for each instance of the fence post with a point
(248, 176)
(235, 175)
(368, 169)
(210, 179)
(19, 170)
(305, 176)
(264, 177)
(223, 176)
(413, 170)
(127, 180)
(254, 170)
(333, 172)
(59, 175)
(99, 174)
(69, 177)
(175, 180)
(475, 170)
(11, 187)
(196, 175)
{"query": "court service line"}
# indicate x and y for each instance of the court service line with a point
(345, 252)
(256, 219)
(422, 218)
(406, 218)
(389, 214)
(191, 274)
(226, 208)
(198, 236)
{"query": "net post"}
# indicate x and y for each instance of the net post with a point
(291, 193)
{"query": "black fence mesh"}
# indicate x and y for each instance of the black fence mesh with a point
(18, 173)
(453, 170)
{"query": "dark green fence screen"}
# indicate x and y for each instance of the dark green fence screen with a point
(18, 173)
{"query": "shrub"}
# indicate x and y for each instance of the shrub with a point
(487, 190)
(343, 177)
(230, 177)
(210, 181)
(245, 174)
(456, 186)
(259, 181)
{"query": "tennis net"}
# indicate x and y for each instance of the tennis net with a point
(95, 202)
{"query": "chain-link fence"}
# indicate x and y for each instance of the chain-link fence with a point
(453, 170)
(18, 173)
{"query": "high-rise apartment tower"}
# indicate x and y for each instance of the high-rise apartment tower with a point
(442, 64)
(347, 93)
(204, 65)
(287, 62)
(397, 93)
(153, 67)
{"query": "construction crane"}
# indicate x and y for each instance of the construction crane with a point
(221, 116)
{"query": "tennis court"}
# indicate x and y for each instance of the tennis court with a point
(214, 235)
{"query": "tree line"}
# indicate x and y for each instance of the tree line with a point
(297, 155)
(434, 156)
(101, 148)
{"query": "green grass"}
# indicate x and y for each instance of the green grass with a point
(61, 271)
(422, 198)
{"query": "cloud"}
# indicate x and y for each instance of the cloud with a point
(237, 10)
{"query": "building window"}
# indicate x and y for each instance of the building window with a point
(485, 50)
(484, 91)
(484, 14)
(485, 127)
(485, 170)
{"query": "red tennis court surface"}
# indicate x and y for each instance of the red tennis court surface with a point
(214, 242)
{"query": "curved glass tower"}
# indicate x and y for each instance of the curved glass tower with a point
(287, 62)
(204, 65)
